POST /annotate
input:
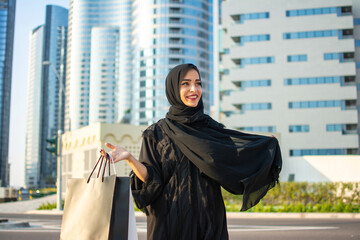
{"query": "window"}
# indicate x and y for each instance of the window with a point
(252, 83)
(240, 18)
(141, 115)
(299, 128)
(322, 151)
(342, 57)
(253, 106)
(356, 21)
(241, 40)
(310, 11)
(316, 104)
(241, 62)
(297, 58)
(313, 80)
(313, 34)
(258, 129)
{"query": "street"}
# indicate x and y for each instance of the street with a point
(48, 227)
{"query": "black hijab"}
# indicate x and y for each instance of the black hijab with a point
(242, 163)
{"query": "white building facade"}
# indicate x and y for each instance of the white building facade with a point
(289, 67)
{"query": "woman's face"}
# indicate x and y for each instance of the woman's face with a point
(190, 88)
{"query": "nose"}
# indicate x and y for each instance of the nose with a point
(192, 87)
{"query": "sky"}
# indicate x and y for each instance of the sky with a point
(29, 15)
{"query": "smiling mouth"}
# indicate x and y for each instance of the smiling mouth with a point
(192, 97)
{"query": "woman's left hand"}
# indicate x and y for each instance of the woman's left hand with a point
(118, 153)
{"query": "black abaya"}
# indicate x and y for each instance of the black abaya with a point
(181, 203)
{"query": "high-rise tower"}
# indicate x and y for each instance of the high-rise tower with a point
(7, 20)
(44, 118)
(99, 62)
(167, 33)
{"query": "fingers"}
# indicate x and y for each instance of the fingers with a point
(102, 152)
(109, 145)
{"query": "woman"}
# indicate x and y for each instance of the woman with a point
(187, 156)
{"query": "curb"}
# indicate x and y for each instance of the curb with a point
(294, 215)
(45, 212)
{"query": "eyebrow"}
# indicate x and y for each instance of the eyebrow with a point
(188, 80)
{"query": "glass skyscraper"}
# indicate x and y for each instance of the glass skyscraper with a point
(99, 62)
(33, 109)
(48, 44)
(167, 33)
(7, 22)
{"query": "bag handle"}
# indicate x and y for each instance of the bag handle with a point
(111, 160)
(101, 158)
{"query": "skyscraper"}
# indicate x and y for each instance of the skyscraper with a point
(99, 62)
(7, 22)
(33, 109)
(48, 44)
(55, 42)
(289, 67)
(167, 33)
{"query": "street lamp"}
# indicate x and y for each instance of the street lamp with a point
(59, 172)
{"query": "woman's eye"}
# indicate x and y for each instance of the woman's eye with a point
(184, 84)
(199, 84)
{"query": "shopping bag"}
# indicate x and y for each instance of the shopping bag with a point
(99, 208)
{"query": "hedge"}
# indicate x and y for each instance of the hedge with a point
(304, 197)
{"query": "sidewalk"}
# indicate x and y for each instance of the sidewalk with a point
(25, 206)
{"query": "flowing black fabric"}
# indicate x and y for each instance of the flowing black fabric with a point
(242, 163)
(188, 156)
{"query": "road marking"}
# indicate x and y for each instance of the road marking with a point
(251, 228)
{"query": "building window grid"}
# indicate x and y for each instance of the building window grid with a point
(253, 106)
(258, 129)
(344, 80)
(312, 11)
(255, 60)
(240, 18)
(297, 58)
(318, 34)
(299, 128)
(253, 83)
(251, 38)
(342, 57)
(344, 104)
(329, 151)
